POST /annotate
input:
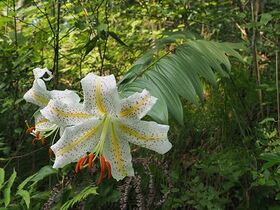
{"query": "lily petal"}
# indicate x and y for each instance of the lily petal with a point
(42, 123)
(137, 105)
(100, 94)
(117, 151)
(64, 114)
(66, 96)
(40, 73)
(150, 135)
(38, 94)
(75, 142)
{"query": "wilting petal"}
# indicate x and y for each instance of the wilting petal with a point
(117, 151)
(137, 105)
(38, 94)
(150, 135)
(65, 96)
(100, 94)
(75, 142)
(65, 114)
(40, 73)
(41, 123)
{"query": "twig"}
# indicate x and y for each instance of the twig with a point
(277, 91)
(106, 40)
(47, 17)
(15, 23)
(254, 11)
(56, 48)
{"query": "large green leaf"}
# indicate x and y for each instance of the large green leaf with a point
(168, 75)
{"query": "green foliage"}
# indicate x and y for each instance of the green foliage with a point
(7, 189)
(25, 190)
(177, 74)
(87, 191)
(226, 146)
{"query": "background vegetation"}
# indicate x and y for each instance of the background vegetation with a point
(225, 136)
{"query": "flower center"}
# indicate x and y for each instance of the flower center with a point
(98, 153)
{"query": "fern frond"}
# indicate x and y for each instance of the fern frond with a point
(79, 197)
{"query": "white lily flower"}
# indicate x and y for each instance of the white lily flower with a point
(40, 96)
(104, 126)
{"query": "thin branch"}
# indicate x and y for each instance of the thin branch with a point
(106, 40)
(15, 23)
(27, 154)
(56, 47)
(277, 91)
(47, 17)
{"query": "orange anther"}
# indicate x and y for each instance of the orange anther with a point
(37, 134)
(43, 140)
(50, 152)
(108, 165)
(77, 168)
(83, 161)
(29, 130)
(102, 165)
(90, 159)
(34, 141)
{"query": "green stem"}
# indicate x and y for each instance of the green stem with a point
(100, 146)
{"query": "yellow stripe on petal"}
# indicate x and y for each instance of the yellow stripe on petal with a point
(99, 101)
(71, 114)
(79, 140)
(41, 99)
(41, 122)
(130, 110)
(117, 151)
(132, 132)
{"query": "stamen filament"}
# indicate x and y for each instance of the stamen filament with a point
(100, 146)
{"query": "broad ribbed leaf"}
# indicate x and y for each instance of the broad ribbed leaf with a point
(171, 98)
(178, 73)
(178, 79)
